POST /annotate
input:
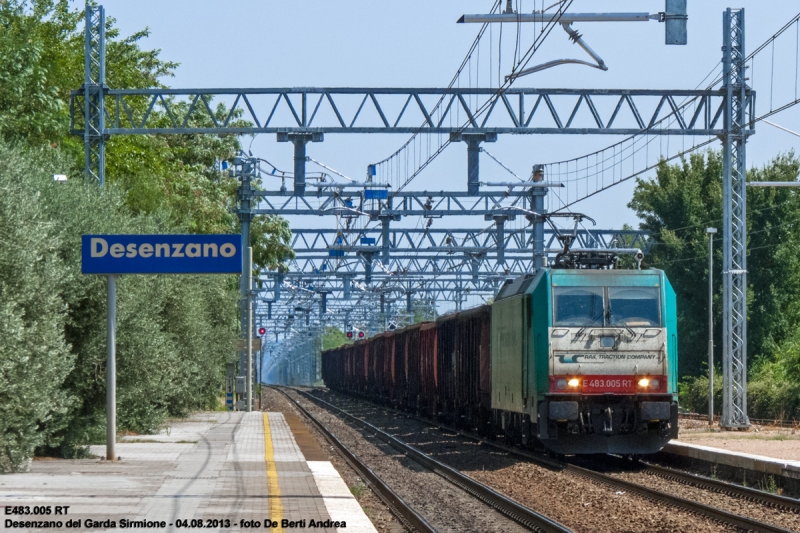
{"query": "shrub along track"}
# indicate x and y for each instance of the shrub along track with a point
(429, 495)
(647, 504)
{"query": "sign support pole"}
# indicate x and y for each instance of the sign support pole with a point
(111, 371)
(248, 261)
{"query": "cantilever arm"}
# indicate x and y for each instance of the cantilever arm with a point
(575, 37)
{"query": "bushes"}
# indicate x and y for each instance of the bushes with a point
(770, 394)
(34, 357)
(174, 332)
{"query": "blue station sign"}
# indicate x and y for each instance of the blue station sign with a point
(161, 254)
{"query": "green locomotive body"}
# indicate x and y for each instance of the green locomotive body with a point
(586, 360)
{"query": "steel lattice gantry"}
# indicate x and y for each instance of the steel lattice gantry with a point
(488, 241)
(734, 268)
(93, 94)
(307, 110)
(302, 115)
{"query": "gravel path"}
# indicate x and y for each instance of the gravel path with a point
(582, 505)
(446, 507)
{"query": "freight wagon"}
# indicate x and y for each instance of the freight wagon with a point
(578, 361)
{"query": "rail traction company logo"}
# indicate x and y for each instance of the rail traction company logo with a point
(603, 357)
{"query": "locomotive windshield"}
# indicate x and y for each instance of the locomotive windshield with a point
(578, 306)
(606, 307)
(633, 306)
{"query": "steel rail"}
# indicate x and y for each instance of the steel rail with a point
(742, 522)
(510, 508)
(748, 493)
(714, 513)
(400, 509)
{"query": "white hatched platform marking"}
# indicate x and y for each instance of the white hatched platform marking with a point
(339, 501)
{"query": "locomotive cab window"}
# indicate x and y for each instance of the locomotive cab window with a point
(633, 307)
(578, 306)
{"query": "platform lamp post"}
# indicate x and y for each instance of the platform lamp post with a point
(711, 232)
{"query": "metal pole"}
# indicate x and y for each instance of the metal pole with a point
(473, 166)
(299, 166)
(539, 253)
(111, 370)
(245, 216)
(711, 232)
(385, 239)
(500, 225)
(249, 264)
(734, 353)
(93, 87)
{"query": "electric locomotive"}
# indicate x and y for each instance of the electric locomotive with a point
(578, 360)
(586, 360)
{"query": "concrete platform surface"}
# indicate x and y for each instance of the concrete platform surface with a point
(746, 461)
(219, 471)
(780, 443)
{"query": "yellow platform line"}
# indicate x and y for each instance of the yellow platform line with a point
(273, 488)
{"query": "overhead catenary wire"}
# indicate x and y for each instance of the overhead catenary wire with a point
(600, 170)
(519, 64)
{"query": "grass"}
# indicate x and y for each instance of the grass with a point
(768, 484)
(358, 489)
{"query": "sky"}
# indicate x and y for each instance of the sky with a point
(414, 43)
(259, 43)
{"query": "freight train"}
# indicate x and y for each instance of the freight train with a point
(578, 361)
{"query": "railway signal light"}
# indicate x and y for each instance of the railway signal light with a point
(262, 331)
(349, 334)
(360, 334)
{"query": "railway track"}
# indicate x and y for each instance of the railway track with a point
(731, 489)
(520, 514)
(714, 513)
(399, 508)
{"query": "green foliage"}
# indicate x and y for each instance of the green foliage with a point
(693, 393)
(770, 395)
(34, 356)
(679, 204)
(677, 207)
(41, 61)
(333, 338)
(424, 311)
(175, 333)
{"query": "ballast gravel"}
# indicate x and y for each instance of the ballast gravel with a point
(582, 505)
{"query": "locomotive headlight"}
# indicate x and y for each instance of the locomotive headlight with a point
(644, 382)
(574, 382)
(561, 384)
(654, 383)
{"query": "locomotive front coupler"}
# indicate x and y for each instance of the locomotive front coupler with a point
(608, 414)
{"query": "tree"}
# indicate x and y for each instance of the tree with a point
(333, 338)
(677, 207)
(34, 355)
(174, 333)
(41, 61)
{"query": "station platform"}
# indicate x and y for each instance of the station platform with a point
(221, 470)
(757, 470)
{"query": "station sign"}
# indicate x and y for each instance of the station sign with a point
(161, 254)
